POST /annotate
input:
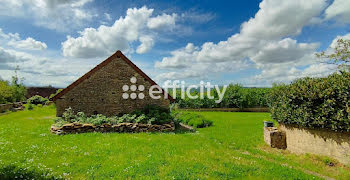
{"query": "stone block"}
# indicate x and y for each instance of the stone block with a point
(275, 138)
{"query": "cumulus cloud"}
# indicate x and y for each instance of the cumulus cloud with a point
(287, 74)
(14, 40)
(40, 70)
(60, 15)
(285, 51)
(179, 58)
(264, 42)
(29, 43)
(161, 21)
(146, 45)
(107, 39)
(339, 10)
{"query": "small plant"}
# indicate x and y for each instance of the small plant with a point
(68, 115)
(30, 106)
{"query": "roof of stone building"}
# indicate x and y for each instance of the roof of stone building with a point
(117, 54)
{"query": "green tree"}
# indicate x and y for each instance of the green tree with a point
(6, 92)
(19, 90)
(340, 56)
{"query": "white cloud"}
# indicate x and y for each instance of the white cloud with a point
(146, 45)
(339, 10)
(265, 40)
(107, 39)
(179, 58)
(108, 16)
(29, 43)
(277, 19)
(197, 17)
(41, 70)
(284, 51)
(15, 41)
(287, 74)
(162, 21)
(60, 15)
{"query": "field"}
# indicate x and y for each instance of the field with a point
(232, 148)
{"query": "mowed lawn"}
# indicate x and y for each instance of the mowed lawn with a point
(232, 148)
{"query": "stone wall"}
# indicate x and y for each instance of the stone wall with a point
(41, 91)
(321, 142)
(275, 138)
(256, 109)
(74, 128)
(102, 92)
(11, 107)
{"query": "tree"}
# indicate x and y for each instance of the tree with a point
(6, 92)
(340, 55)
(19, 90)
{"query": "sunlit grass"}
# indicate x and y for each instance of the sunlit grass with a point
(232, 148)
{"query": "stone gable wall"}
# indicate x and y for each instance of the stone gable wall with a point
(102, 92)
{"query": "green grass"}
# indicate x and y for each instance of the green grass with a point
(232, 148)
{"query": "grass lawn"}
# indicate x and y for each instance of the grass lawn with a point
(232, 148)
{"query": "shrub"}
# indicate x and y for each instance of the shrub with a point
(150, 114)
(54, 94)
(6, 92)
(194, 120)
(313, 102)
(30, 106)
(14, 172)
(154, 114)
(236, 96)
(13, 92)
(37, 100)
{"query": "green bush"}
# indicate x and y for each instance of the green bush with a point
(13, 92)
(30, 106)
(149, 115)
(236, 96)
(313, 102)
(154, 114)
(14, 172)
(37, 100)
(54, 94)
(194, 120)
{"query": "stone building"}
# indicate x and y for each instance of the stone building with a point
(114, 86)
(41, 91)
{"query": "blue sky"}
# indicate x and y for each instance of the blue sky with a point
(254, 43)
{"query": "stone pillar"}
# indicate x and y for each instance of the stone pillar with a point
(275, 138)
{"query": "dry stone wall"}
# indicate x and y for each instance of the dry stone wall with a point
(74, 128)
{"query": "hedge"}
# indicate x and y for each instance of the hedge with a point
(236, 96)
(313, 102)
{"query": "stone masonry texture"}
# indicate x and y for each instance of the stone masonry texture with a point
(101, 93)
